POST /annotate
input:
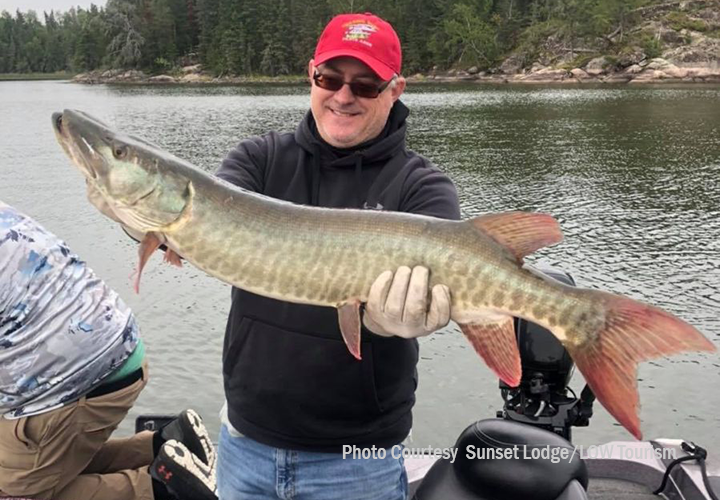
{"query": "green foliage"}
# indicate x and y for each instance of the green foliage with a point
(277, 37)
(162, 65)
(652, 46)
(90, 43)
(680, 20)
(580, 61)
(470, 37)
(610, 62)
(608, 16)
(532, 39)
(123, 30)
(157, 27)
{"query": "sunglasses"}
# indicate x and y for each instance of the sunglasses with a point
(360, 89)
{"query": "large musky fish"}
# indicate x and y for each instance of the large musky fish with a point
(330, 257)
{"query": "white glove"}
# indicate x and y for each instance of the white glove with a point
(398, 304)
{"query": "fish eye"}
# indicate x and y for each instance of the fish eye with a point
(120, 151)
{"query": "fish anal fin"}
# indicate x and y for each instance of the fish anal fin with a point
(632, 332)
(172, 258)
(349, 318)
(148, 245)
(520, 232)
(494, 340)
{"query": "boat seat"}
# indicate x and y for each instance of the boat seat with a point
(496, 461)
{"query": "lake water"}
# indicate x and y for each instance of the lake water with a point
(632, 174)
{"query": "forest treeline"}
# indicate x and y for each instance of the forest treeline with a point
(276, 37)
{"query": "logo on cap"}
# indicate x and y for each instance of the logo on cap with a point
(359, 31)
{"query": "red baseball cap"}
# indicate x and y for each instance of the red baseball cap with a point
(365, 37)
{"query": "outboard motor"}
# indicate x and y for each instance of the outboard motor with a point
(542, 398)
(505, 460)
(526, 452)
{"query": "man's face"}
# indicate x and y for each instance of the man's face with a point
(343, 119)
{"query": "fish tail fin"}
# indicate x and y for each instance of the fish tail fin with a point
(633, 332)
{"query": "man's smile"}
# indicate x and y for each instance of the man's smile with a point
(343, 113)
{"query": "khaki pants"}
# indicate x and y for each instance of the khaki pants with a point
(66, 454)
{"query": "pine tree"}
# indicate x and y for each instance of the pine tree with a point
(207, 13)
(124, 30)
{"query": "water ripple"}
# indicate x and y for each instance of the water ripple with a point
(632, 174)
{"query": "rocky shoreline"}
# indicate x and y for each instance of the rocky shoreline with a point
(677, 41)
(599, 70)
(651, 71)
(689, 57)
(657, 70)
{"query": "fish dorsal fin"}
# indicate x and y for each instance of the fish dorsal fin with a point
(520, 232)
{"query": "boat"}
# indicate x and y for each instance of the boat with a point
(639, 470)
(526, 451)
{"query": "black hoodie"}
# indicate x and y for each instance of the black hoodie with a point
(289, 380)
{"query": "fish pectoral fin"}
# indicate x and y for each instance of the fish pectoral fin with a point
(349, 317)
(149, 243)
(520, 232)
(494, 340)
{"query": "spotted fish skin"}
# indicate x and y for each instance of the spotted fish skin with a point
(331, 257)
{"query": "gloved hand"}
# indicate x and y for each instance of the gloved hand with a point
(398, 304)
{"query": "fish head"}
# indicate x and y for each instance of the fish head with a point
(132, 176)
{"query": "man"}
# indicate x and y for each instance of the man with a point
(295, 396)
(71, 366)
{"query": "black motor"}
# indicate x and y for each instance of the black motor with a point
(542, 398)
(536, 415)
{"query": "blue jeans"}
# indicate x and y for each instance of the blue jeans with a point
(248, 470)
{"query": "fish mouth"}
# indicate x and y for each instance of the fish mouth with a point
(57, 122)
(59, 129)
(76, 133)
